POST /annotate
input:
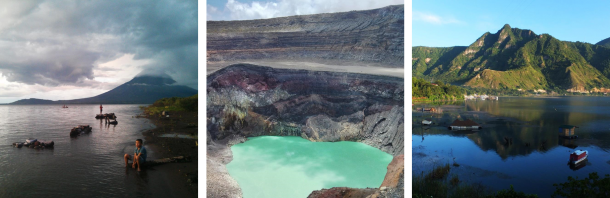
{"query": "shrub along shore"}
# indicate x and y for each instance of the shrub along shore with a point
(438, 183)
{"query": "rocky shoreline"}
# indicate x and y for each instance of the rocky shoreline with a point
(181, 177)
(248, 101)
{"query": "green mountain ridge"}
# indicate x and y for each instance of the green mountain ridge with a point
(605, 42)
(518, 59)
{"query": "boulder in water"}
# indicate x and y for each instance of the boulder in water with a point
(46, 143)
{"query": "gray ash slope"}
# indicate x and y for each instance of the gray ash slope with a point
(371, 37)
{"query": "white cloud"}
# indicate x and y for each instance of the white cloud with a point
(212, 13)
(108, 76)
(262, 10)
(121, 69)
(434, 19)
(12, 91)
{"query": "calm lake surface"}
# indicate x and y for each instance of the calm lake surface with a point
(88, 166)
(270, 166)
(537, 157)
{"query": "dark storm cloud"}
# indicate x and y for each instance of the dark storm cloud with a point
(60, 42)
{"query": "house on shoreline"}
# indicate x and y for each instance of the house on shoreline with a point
(480, 97)
(464, 125)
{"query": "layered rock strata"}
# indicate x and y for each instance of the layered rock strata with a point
(369, 37)
(248, 100)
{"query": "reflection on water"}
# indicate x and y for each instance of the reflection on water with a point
(580, 165)
(531, 123)
(520, 138)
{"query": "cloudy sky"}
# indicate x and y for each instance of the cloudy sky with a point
(64, 49)
(217, 10)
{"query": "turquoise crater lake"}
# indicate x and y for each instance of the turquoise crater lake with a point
(271, 166)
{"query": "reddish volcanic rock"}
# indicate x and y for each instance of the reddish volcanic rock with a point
(395, 173)
(246, 81)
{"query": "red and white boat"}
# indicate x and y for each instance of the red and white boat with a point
(578, 156)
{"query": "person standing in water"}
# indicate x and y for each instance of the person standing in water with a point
(101, 108)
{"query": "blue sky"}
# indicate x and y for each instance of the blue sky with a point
(260, 9)
(459, 23)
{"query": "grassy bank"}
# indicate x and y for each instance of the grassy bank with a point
(174, 104)
(438, 183)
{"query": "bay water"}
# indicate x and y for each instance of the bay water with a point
(536, 156)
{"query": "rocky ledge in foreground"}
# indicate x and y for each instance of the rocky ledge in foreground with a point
(392, 186)
(248, 101)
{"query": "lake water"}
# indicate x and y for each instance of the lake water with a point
(90, 165)
(270, 166)
(537, 157)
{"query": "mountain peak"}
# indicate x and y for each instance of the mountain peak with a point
(504, 30)
(153, 73)
(145, 88)
(151, 80)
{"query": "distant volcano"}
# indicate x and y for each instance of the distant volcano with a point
(143, 89)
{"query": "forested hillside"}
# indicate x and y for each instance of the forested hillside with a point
(518, 59)
(438, 91)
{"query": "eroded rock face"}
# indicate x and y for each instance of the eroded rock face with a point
(250, 100)
(208, 137)
(385, 129)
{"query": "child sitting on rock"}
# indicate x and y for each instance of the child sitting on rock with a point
(139, 156)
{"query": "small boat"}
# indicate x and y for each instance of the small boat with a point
(578, 156)
(426, 122)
